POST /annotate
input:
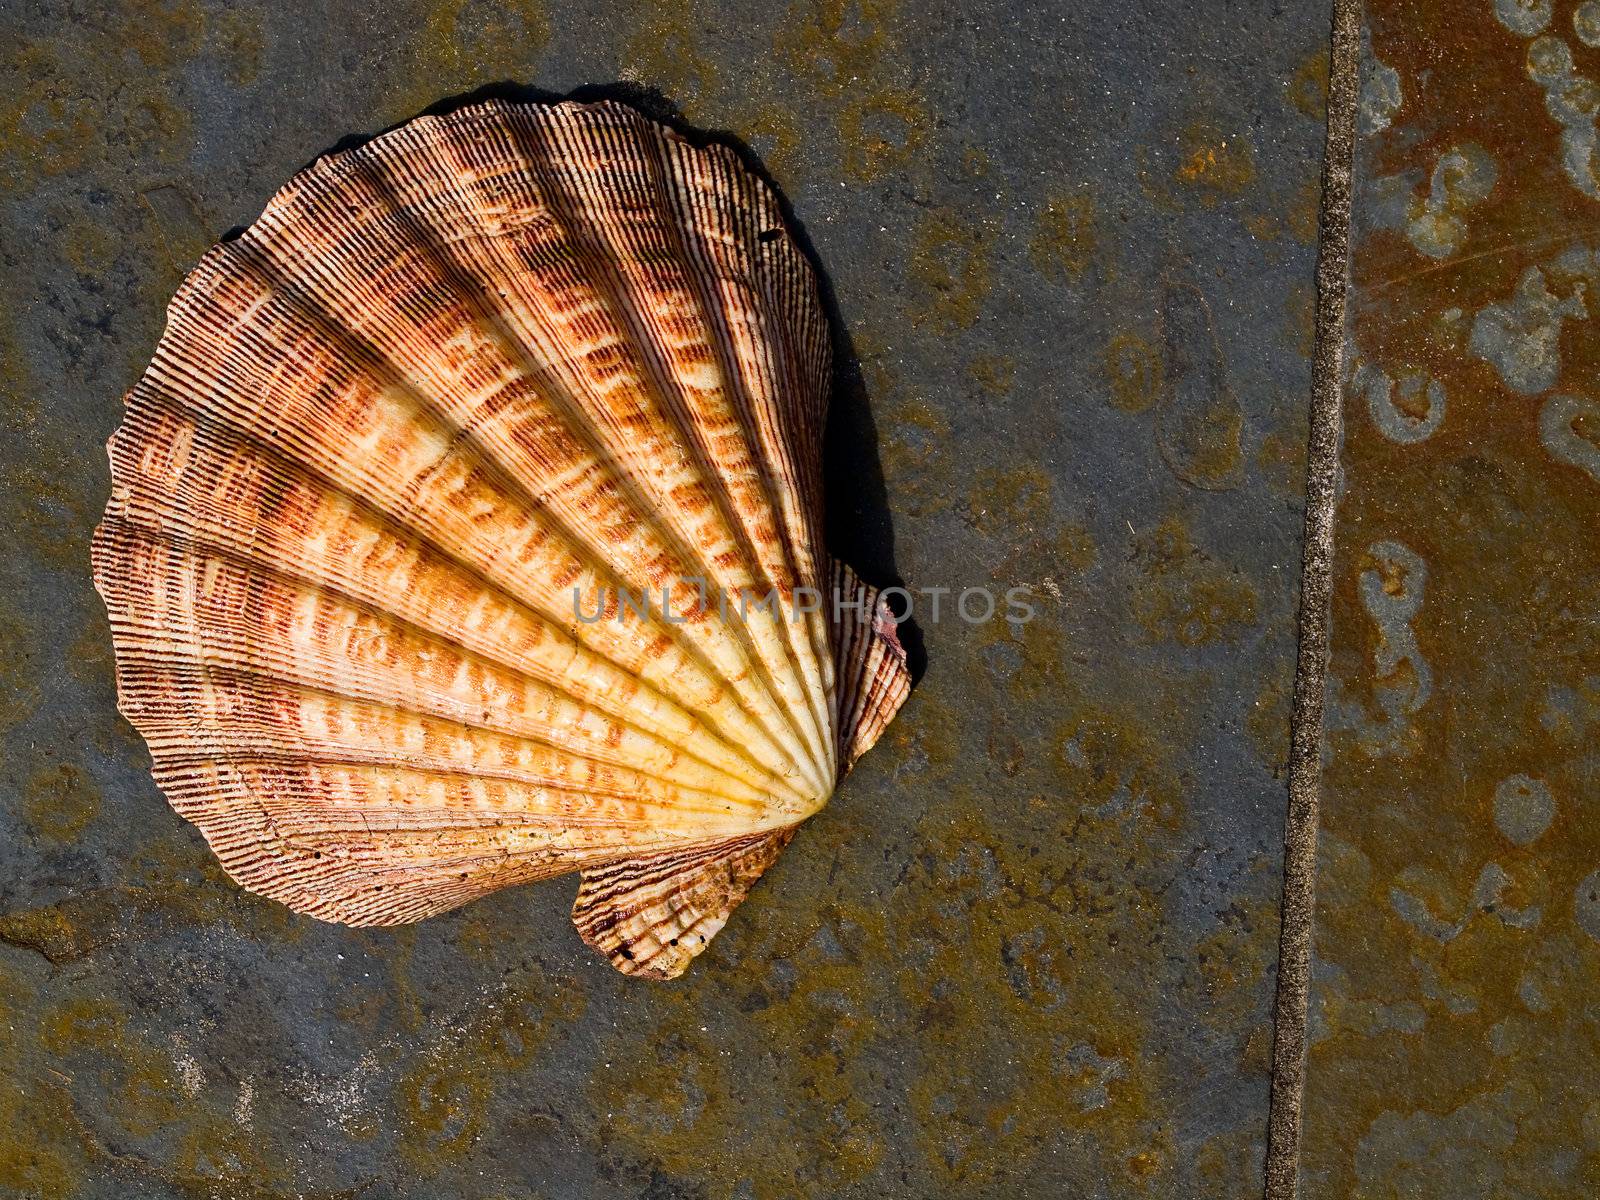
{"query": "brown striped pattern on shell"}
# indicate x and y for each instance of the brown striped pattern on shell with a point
(450, 382)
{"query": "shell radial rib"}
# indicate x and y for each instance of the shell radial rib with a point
(465, 530)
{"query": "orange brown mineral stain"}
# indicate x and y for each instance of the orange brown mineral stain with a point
(1453, 961)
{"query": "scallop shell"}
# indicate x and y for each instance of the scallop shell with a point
(400, 438)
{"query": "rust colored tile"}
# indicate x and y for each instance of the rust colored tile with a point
(1454, 1022)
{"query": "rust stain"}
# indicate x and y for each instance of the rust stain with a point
(950, 261)
(1186, 596)
(850, 54)
(1456, 941)
(1065, 236)
(1308, 86)
(60, 801)
(1133, 365)
(1215, 163)
(1200, 424)
(463, 44)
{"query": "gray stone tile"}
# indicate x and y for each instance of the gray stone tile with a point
(1029, 949)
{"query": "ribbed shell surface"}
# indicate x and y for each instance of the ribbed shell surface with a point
(452, 396)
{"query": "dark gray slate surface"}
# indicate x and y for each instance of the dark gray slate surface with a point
(1028, 950)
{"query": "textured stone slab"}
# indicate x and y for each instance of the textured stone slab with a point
(1453, 1028)
(1029, 950)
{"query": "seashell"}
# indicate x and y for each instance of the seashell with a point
(400, 438)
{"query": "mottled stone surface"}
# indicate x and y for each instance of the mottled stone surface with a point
(1028, 951)
(1454, 1030)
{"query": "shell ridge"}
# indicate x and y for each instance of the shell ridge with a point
(248, 437)
(403, 511)
(753, 418)
(551, 793)
(238, 855)
(672, 400)
(323, 671)
(651, 914)
(336, 883)
(871, 662)
(266, 751)
(229, 850)
(161, 732)
(293, 870)
(253, 555)
(571, 195)
(575, 417)
(475, 574)
(620, 713)
(791, 293)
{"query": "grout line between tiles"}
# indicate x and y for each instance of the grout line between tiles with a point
(1316, 585)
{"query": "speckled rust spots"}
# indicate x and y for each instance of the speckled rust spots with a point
(1268, 721)
(1187, 597)
(1133, 369)
(51, 931)
(148, 1096)
(443, 1097)
(1300, 314)
(90, 247)
(466, 42)
(1305, 213)
(880, 133)
(241, 42)
(845, 57)
(1015, 512)
(83, 1023)
(170, 887)
(1042, 653)
(1296, 217)
(162, 32)
(950, 262)
(1065, 236)
(915, 455)
(48, 127)
(153, 1118)
(19, 690)
(1454, 967)
(984, 971)
(1200, 424)
(60, 801)
(1235, 957)
(179, 225)
(1045, 920)
(1281, 457)
(1110, 775)
(815, 993)
(847, 51)
(1111, 762)
(1010, 503)
(1214, 163)
(936, 738)
(42, 1149)
(993, 373)
(1308, 86)
(667, 51)
(40, 1154)
(41, 131)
